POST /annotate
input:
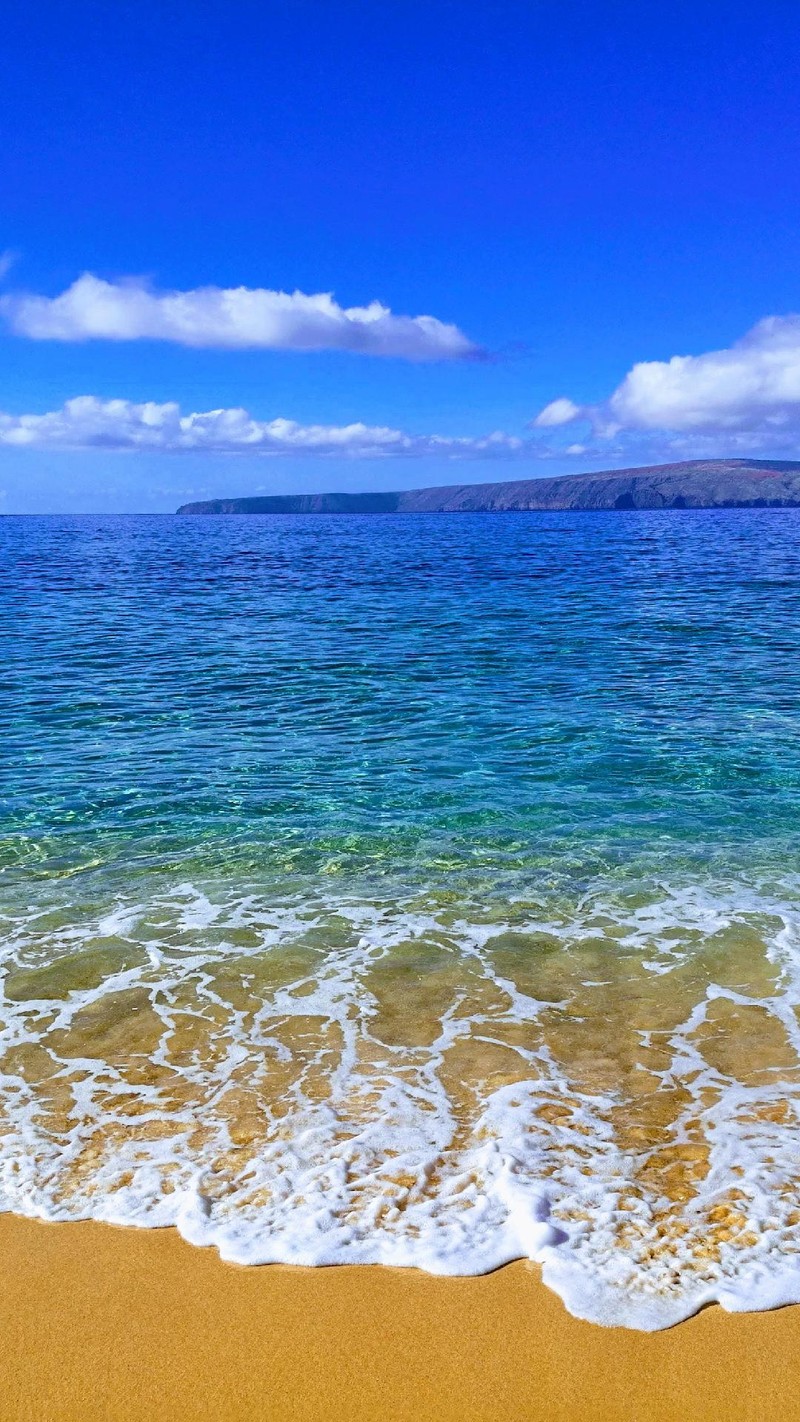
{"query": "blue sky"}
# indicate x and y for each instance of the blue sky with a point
(576, 188)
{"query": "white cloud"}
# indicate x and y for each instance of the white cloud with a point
(233, 318)
(748, 395)
(558, 412)
(7, 260)
(87, 422)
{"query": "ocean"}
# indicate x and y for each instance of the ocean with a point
(421, 890)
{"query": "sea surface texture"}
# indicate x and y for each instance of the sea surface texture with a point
(418, 889)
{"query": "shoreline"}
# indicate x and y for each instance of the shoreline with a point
(108, 1324)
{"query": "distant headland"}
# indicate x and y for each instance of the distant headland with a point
(692, 484)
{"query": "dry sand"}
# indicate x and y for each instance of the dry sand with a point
(111, 1324)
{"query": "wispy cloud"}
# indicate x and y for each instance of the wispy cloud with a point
(747, 396)
(231, 318)
(87, 422)
(7, 260)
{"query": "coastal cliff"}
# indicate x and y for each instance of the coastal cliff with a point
(693, 484)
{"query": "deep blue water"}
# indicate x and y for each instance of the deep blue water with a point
(416, 698)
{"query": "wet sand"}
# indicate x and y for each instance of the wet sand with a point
(110, 1325)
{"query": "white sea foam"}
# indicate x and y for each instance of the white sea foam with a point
(350, 1082)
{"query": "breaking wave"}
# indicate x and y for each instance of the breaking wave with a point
(608, 1087)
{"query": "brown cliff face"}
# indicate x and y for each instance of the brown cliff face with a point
(297, 504)
(694, 484)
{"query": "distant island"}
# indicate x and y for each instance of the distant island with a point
(692, 484)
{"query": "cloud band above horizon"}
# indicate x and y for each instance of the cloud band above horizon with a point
(233, 318)
(87, 422)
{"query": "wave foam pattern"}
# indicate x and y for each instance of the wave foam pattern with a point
(611, 1089)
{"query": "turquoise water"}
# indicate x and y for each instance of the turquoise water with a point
(340, 855)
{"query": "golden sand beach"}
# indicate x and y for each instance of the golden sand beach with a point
(116, 1325)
